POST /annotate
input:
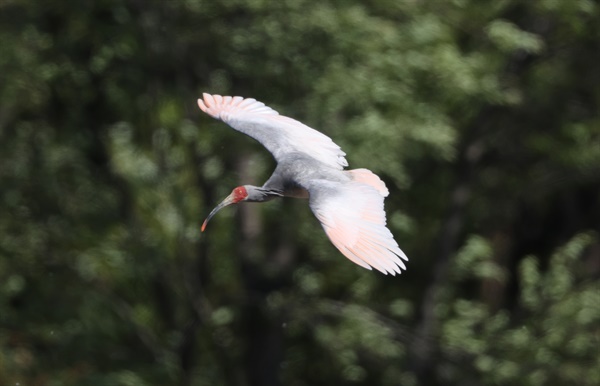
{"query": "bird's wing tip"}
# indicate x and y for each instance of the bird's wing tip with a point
(202, 105)
(210, 104)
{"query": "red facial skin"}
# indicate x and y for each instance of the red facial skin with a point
(239, 194)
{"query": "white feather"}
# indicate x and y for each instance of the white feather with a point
(279, 134)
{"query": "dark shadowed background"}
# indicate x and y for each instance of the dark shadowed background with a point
(482, 117)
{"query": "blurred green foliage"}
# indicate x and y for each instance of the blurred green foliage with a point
(481, 117)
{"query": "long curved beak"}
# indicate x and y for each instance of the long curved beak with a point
(227, 201)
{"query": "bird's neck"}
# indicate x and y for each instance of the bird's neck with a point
(257, 194)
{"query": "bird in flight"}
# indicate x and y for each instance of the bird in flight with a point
(348, 203)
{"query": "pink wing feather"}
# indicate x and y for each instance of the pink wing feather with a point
(368, 177)
(353, 218)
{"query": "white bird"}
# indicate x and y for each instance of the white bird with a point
(348, 203)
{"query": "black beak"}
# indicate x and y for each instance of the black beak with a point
(227, 201)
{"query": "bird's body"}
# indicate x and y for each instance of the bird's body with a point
(348, 203)
(293, 175)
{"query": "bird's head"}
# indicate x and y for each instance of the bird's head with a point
(246, 193)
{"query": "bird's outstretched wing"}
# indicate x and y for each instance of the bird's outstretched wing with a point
(279, 134)
(353, 218)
